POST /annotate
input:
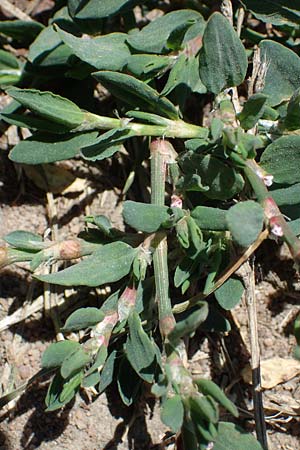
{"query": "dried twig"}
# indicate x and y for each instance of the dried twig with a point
(246, 271)
(15, 11)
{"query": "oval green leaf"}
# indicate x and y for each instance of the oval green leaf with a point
(172, 413)
(245, 221)
(232, 436)
(223, 59)
(83, 318)
(282, 159)
(282, 71)
(55, 354)
(230, 293)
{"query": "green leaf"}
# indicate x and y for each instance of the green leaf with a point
(74, 362)
(104, 52)
(297, 329)
(184, 77)
(71, 386)
(233, 437)
(91, 380)
(10, 71)
(294, 225)
(223, 59)
(128, 382)
(44, 148)
(53, 393)
(140, 349)
(222, 180)
(279, 12)
(48, 105)
(208, 387)
(21, 30)
(207, 431)
(145, 217)
(245, 222)
(282, 158)
(283, 71)
(25, 240)
(136, 93)
(292, 118)
(172, 413)
(48, 50)
(190, 322)
(108, 264)
(205, 407)
(147, 65)
(35, 123)
(208, 218)
(230, 293)
(55, 354)
(93, 9)
(287, 195)
(107, 144)
(99, 360)
(107, 372)
(216, 322)
(184, 270)
(83, 318)
(153, 37)
(252, 111)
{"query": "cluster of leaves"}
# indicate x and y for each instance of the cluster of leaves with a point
(154, 74)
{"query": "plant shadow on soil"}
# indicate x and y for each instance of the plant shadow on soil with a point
(134, 420)
(40, 426)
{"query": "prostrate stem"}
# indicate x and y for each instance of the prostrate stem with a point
(160, 153)
(277, 223)
(168, 128)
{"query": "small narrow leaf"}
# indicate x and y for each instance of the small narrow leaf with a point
(223, 59)
(48, 105)
(128, 382)
(208, 387)
(108, 264)
(107, 144)
(140, 350)
(136, 93)
(107, 372)
(252, 111)
(245, 221)
(172, 413)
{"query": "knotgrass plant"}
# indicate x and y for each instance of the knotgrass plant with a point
(225, 189)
